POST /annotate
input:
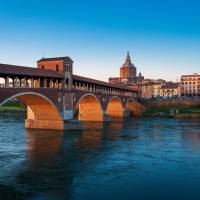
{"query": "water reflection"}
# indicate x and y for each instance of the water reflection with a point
(191, 135)
(104, 161)
(43, 145)
(45, 162)
(90, 139)
(53, 159)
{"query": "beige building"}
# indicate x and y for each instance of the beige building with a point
(170, 89)
(190, 85)
(159, 88)
(150, 89)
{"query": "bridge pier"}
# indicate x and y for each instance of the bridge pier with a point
(44, 124)
(94, 117)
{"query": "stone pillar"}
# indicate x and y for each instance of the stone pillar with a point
(32, 82)
(56, 83)
(45, 83)
(7, 81)
(76, 85)
(83, 87)
(25, 82)
(20, 82)
(51, 83)
(39, 83)
(13, 82)
(79, 85)
(16, 82)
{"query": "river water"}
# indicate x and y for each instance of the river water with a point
(148, 158)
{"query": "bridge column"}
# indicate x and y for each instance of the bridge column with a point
(7, 81)
(32, 82)
(83, 86)
(39, 84)
(51, 83)
(45, 83)
(20, 82)
(79, 86)
(76, 85)
(24, 82)
(56, 84)
(13, 82)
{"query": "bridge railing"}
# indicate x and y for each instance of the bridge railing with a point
(33, 82)
(104, 89)
(9, 82)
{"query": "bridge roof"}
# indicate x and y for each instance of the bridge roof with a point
(98, 82)
(21, 71)
(6, 69)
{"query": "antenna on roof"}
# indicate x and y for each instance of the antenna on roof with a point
(42, 56)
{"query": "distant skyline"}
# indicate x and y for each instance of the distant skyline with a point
(163, 38)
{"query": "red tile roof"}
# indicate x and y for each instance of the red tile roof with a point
(66, 58)
(170, 86)
(89, 80)
(6, 69)
(21, 71)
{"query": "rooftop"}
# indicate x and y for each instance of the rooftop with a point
(21, 71)
(66, 58)
(6, 69)
(170, 86)
(192, 75)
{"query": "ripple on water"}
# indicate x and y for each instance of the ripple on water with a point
(115, 162)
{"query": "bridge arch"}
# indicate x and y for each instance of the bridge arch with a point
(89, 108)
(42, 113)
(115, 107)
(134, 108)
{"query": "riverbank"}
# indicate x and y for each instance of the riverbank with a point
(179, 111)
(13, 108)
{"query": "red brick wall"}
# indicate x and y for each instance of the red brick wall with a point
(127, 72)
(51, 65)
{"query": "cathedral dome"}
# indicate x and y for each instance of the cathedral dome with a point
(128, 62)
(128, 70)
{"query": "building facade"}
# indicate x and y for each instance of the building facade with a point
(150, 89)
(159, 88)
(190, 85)
(170, 90)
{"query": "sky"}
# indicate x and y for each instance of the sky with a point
(163, 37)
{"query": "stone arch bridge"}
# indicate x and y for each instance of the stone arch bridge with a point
(56, 97)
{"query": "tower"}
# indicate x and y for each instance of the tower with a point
(63, 65)
(128, 71)
(68, 71)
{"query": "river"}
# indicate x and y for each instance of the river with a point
(147, 158)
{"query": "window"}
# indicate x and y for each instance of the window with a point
(57, 68)
(42, 66)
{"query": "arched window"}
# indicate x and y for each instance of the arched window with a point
(57, 68)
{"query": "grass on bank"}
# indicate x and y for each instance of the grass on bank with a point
(12, 107)
(166, 110)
